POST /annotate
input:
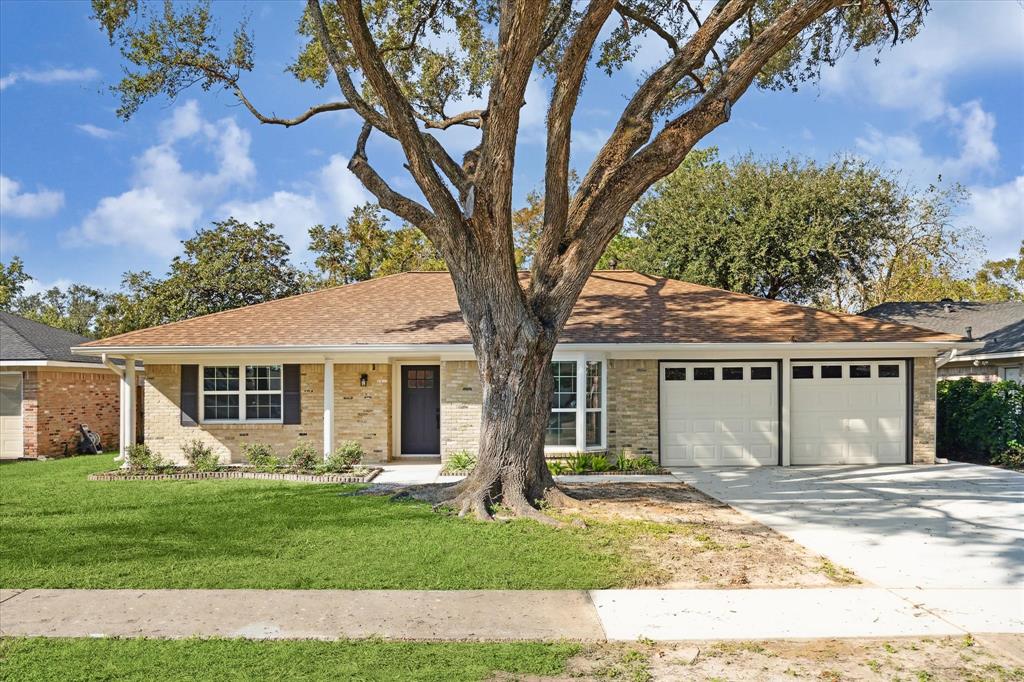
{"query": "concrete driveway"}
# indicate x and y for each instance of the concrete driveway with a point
(947, 538)
(942, 526)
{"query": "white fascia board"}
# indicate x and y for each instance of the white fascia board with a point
(971, 357)
(51, 363)
(382, 353)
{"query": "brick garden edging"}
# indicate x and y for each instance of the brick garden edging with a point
(255, 475)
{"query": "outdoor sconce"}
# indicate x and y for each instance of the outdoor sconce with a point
(363, 379)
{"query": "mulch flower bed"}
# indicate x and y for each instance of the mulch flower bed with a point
(356, 476)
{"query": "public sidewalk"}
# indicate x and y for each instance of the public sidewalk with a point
(503, 615)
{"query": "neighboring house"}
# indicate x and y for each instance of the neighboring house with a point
(999, 327)
(46, 391)
(688, 374)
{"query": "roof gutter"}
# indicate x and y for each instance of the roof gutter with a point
(103, 351)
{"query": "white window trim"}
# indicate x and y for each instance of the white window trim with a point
(241, 393)
(581, 408)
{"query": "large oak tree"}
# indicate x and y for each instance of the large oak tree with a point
(388, 61)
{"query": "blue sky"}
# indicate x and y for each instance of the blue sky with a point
(84, 196)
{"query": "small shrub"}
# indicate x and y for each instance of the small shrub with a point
(141, 458)
(1012, 457)
(260, 457)
(460, 460)
(200, 456)
(558, 467)
(978, 420)
(346, 456)
(579, 463)
(640, 463)
(599, 462)
(304, 457)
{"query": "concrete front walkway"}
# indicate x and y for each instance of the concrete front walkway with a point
(493, 615)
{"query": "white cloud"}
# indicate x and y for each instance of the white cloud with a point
(14, 202)
(327, 201)
(974, 129)
(96, 131)
(999, 213)
(48, 76)
(166, 201)
(957, 39)
(34, 286)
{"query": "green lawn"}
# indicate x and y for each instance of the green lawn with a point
(59, 530)
(27, 660)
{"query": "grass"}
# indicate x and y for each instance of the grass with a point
(28, 660)
(62, 531)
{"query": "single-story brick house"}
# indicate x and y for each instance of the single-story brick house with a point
(998, 327)
(688, 374)
(46, 391)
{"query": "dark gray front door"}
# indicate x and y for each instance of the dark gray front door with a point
(421, 410)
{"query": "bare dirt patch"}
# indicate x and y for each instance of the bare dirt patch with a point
(945, 659)
(709, 544)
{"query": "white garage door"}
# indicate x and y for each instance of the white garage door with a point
(719, 414)
(11, 427)
(849, 412)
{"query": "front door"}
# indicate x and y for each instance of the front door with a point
(421, 410)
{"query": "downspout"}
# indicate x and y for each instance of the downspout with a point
(940, 361)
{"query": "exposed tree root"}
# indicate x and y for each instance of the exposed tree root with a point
(481, 502)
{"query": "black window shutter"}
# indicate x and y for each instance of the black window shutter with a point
(292, 395)
(189, 395)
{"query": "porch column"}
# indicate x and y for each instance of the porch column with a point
(787, 432)
(328, 407)
(127, 435)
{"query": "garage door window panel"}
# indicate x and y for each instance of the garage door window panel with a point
(831, 371)
(732, 374)
(860, 371)
(761, 373)
(803, 371)
(889, 371)
(703, 373)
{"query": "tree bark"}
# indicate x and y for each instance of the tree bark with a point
(513, 346)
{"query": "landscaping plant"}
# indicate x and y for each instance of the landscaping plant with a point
(460, 461)
(304, 457)
(142, 459)
(260, 457)
(200, 456)
(345, 456)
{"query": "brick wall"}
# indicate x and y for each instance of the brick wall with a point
(56, 401)
(361, 413)
(633, 406)
(461, 400)
(924, 411)
(165, 435)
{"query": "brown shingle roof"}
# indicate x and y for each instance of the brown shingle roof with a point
(615, 307)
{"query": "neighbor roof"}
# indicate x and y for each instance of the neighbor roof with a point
(421, 308)
(1000, 326)
(24, 339)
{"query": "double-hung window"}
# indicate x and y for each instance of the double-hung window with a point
(241, 393)
(577, 419)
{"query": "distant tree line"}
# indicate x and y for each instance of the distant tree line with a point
(841, 236)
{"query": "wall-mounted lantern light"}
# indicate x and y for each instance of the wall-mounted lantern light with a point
(364, 379)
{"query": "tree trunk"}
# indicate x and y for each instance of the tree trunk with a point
(513, 348)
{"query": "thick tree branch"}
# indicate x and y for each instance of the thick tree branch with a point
(365, 110)
(519, 40)
(596, 218)
(568, 81)
(472, 118)
(399, 204)
(648, 23)
(401, 121)
(636, 123)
